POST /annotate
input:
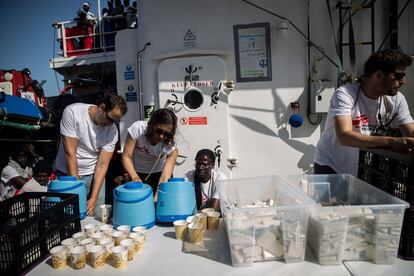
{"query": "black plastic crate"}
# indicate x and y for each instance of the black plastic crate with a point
(406, 249)
(389, 171)
(394, 173)
(31, 224)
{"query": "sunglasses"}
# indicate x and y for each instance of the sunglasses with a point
(399, 75)
(160, 131)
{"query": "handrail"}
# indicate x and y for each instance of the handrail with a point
(96, 38)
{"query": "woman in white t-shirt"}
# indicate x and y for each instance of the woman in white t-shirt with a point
(205, 178)
(150, 150)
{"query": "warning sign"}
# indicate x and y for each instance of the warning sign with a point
(184, 121)
(197, 120)
(189, 35)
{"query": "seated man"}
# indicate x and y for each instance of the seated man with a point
(41, 172)
(361, 115)
(205, 177)
(16, 176)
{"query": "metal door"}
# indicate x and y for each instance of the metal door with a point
(193, 88)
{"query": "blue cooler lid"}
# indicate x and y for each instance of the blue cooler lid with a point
(132, 192)
(64, 184)
(176, 185)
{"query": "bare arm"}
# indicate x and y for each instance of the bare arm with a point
(98, 178)
(169, 165)
(18, 181)
(127, 158)
(215, 203)
(407, 130)
(348, 137)
(70, 146)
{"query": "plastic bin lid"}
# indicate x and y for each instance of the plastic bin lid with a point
(67, 178)
(176, 179)
(133, 191)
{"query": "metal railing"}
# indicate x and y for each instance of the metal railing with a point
(78, 39)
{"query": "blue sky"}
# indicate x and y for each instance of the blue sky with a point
(27, 35)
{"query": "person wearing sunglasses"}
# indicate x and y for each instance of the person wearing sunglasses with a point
(361, 115)
(205, 178)
(88, 139)
(150, 150)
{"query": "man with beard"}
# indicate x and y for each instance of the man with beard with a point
(361, 115)
(205, 177)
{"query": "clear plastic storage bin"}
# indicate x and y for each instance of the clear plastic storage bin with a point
(353, 219)
(265, 218)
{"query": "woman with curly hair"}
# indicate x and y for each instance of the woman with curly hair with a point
(150, 150)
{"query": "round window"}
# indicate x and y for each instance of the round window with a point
(193, 99)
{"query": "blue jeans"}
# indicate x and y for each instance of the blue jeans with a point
(88, 179)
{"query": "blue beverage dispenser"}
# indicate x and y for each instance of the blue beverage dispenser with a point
(70, 185)
(176, 200)
(134, 205)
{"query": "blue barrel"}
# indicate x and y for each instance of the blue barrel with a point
(70, 185)
(134, 205)
(176, 200)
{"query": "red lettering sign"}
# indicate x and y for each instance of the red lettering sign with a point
(197, 120)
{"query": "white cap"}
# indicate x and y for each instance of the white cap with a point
(86, 4)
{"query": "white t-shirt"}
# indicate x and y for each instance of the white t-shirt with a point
(145, 155)
(77, 123)
(344, 159)
(208, 190)
(7, 190)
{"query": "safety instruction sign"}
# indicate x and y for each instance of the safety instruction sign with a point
(197, 120)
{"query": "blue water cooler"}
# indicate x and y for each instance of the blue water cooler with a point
(134, 205)
(176, 200)
(70, 185)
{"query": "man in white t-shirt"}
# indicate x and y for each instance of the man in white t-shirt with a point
(205, 178)
(361, 115)
(88, 139)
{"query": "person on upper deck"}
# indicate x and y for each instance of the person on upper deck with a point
(84, 16)
(150, 150)
(205, 178)
(361, 115)
(88, 139)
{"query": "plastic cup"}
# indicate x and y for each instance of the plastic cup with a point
(59, 256)
(108, 243)
(202, 218)
(213, 219)
(106, 210)
(107, 229)
(195, 231)
(79, 236)
(88, 243)
(139, 240)
(126, 229)
(141, 229)
(98, 236)
(192, 219)
(69, 244)
(206, 210)
(90, 229)
(78, 257)
(119, 256)
(118, 237)
(180, 227)
(130, 245)
(98, 256)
